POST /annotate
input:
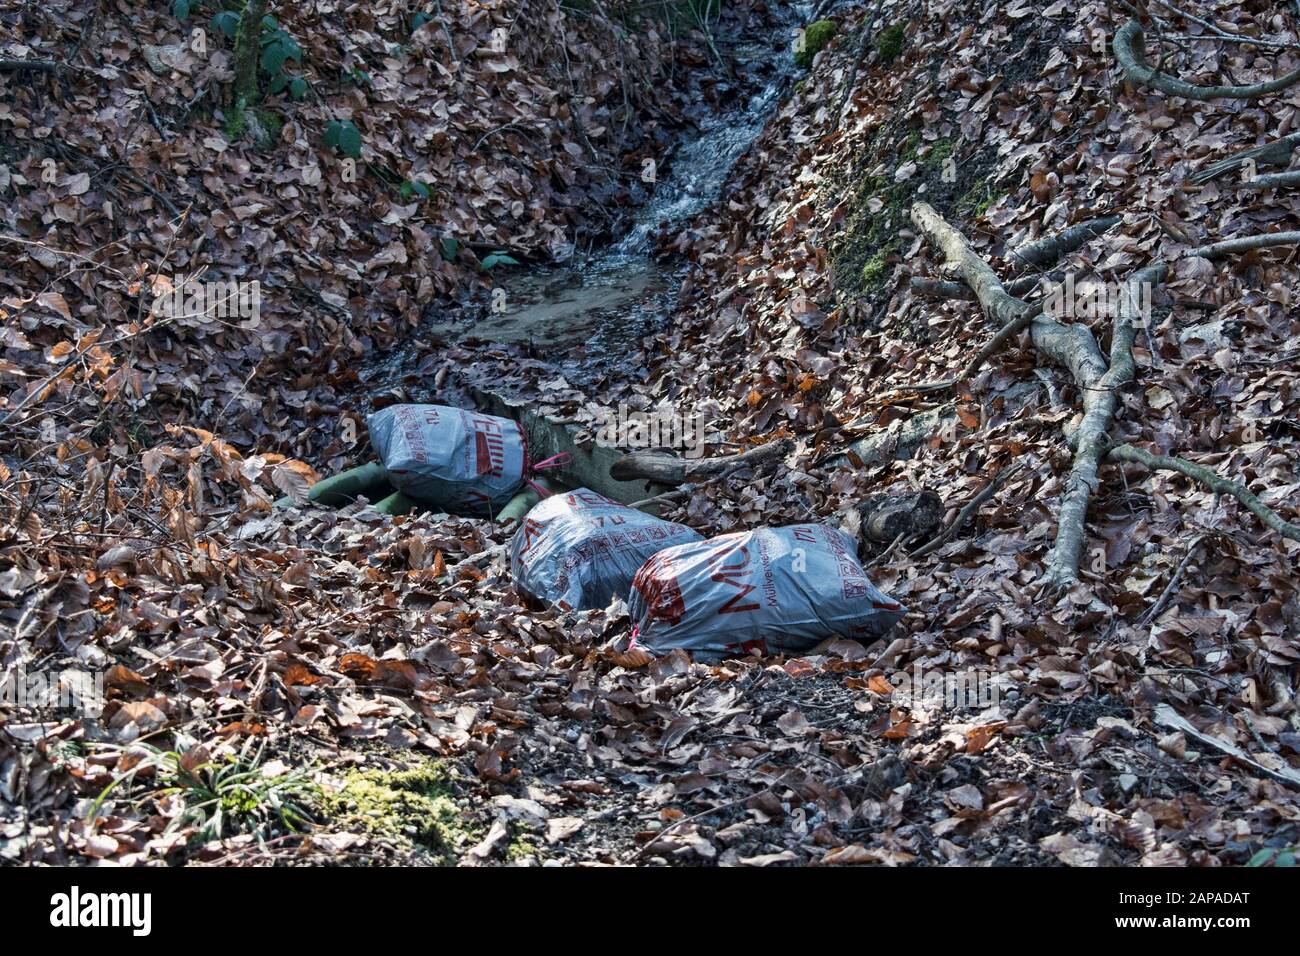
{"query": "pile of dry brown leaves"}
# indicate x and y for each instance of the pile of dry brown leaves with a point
(346, 639)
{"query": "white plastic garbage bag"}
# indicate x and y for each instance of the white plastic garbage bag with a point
(458, 460)
(773, 590)
(579, 549)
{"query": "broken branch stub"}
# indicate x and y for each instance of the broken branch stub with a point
(886, 516)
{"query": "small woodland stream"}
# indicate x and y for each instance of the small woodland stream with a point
(587, 314)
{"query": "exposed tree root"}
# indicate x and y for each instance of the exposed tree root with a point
(1074, 347)
(1045, 251)
(978, 274)
(1040, 252)
(1218, 250)
(1276, 153)
(941, 289)
(1130, 53)
(1217, 484)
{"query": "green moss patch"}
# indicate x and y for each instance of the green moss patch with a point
(413, 806)
(978, 200)
(867, 246)
(890, 42)
(815, 38)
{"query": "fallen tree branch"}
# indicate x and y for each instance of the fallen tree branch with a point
(979, 275)
(663, 469)
(41, 66)
(1074, 347)
(1015, 315)
(1272, 180)
(1222, 34)
(1130, 53)
(1166, 716)
(1276, 153)
(942, 289)
(1045, 251)
(1217, 250)
(1217, 484)
(1151, 613)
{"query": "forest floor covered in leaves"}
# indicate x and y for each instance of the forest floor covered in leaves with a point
(408, 703)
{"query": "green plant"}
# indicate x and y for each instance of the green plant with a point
(1274, 856)
(343, 136)
(978, 200)
(493, 259)
(275, 48)
(890, 42)
(227, 795)
(414, 187)
(815, 38)
(414, 805)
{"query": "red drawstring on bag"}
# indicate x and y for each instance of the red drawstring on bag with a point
(555, 461)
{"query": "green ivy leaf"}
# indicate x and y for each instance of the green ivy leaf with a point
(181, 9)
(227, 21)
(298, 88)
(344, 137)
(449, 247)
(419, 20)
(493, 259)
(273, 58)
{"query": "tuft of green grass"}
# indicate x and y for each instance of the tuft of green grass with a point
(228, 795)
(815, 38)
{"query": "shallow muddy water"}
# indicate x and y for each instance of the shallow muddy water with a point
(587, 315)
